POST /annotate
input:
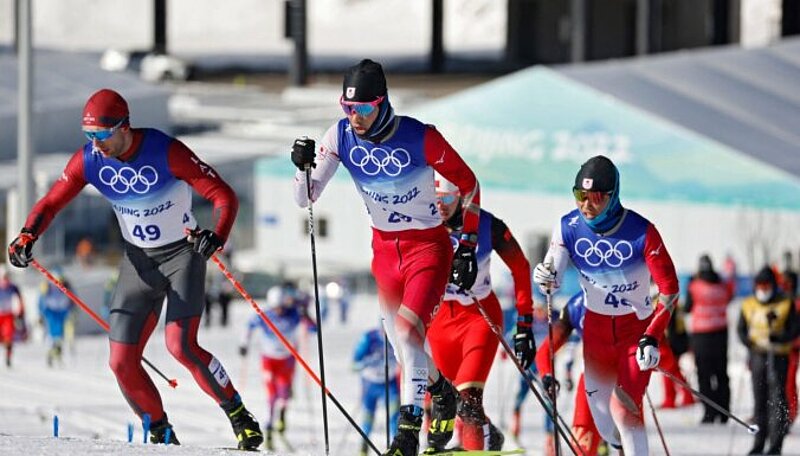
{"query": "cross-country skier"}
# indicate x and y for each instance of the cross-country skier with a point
(277, 363)
(147, 176)
(369, 361)
(615, 251)
(9, 316)
(392, 159)
(54, 309)
(462, 343)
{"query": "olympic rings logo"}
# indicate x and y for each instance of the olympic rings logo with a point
(378, 159)
(603, 251)
(128, 179)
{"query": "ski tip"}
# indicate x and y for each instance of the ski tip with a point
(457, 452)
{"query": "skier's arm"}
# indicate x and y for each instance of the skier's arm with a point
(60, 194)
(663, 272)
(185, 165)
(21, 301)
(361, 351)
(689, 302)
(445, 160)
(511, 253)
(561, 331)
(326, 161)
(557, 257)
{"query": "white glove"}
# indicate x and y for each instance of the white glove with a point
(545, 277)
(647, 354)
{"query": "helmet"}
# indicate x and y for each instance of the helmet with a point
(277, 296)
(443, 185)
(364, 81)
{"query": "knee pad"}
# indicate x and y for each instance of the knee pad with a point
(470, 406)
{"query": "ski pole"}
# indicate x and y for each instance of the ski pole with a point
(527, 376)
(554, 411)
(317, 309)
(238, 286)
(751, 428)
(172, 382)
(655, 420)
(386, 381)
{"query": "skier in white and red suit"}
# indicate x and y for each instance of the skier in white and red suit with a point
(462, 342)
(615, 251)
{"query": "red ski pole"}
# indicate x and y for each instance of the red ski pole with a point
(172, 382)
(289, 347)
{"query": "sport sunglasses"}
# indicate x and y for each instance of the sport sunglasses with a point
(102, 135)
(361, 108)
(582, 195)
(447, 198)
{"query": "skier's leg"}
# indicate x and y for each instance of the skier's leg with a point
(626, 401)
(267, 368)
(583, 426)
(600, 373)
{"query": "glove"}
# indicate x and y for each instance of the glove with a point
(303, 153)
(19, 251)
(545, 277)
(524, 344)
(465, 267)
(647, 355)
(550, 385)
(206, 242)
(242, 350)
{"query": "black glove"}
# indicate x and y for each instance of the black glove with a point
(524, 344)
(303, 153)
(465, 267)
(19, 251)
(242, 350)
(550, 385)
(206, 242)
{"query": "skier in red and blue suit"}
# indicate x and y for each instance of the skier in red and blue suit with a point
(616, 252)
(148, 176)
(392, 160)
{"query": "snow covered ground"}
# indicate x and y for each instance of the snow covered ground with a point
(94, 417)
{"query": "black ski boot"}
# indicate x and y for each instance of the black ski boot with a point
(443, 414)
(406, 442)
(159, 431)
(245, 426)
(496, 438)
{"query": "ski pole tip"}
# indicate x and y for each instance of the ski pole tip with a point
(753, 429)
(173, 383)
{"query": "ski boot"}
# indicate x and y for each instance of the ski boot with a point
(159, 431)
(245, 426)
(281, 426)
(443, 414)
(406, 441)
(268, 444)
(496, 438)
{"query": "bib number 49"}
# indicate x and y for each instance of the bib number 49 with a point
(148, 233)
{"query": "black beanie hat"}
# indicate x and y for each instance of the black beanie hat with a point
(598, 174)
(364, 82)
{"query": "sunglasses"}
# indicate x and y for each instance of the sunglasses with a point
(594, 197)
(102, 135)
(447, 198)
(361, 108)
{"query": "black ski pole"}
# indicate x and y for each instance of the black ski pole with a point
(386, 379)
(526, 375)
(554, 411)
(317, 309)
(751, 428)
(655, 420)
